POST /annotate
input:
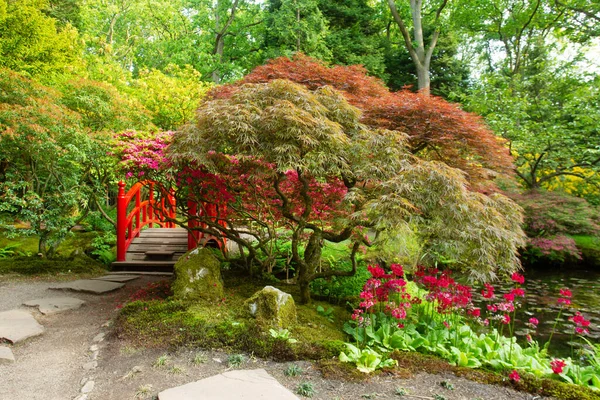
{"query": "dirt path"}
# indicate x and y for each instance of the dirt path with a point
(62, 361)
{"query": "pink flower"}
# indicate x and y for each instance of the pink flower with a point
(506, 319)
(519, 292)
(564, 301)
(518, 278)
(557, 366)
(564, 292)
(510, 297)
(534, 321)
(514, 376)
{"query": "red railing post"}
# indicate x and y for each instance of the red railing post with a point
(193, 209)
(121, 222)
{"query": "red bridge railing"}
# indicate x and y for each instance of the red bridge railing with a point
(147, 210)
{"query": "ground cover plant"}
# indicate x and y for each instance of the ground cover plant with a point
(434, 314)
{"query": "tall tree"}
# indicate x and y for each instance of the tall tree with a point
(33, 43)
(423, 17)
(296, 26)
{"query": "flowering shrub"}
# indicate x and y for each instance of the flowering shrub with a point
(142, 153)
(557, 248)
(435, 314)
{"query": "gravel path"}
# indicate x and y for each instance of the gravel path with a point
(50, 366)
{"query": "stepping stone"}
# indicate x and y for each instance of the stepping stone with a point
(54, 305)
(89, 285)
(6, 355)
(117, 278)
(233, 385)
(18, 325)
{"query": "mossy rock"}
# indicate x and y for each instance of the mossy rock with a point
(198, 277)
(272, 308)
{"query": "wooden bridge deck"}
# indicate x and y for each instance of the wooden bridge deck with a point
(156, 249)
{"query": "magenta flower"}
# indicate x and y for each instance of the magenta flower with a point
(557, 366)
(514, 376)
(518, 278)
(564, 292)
(534, 321)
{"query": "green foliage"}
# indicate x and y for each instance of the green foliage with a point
(102, 107)
(367, 360)
(328, 314)
(282, 334)
(235, 360)
(293, 370)
(306, 389)
(171, 96)
(296, 26)
(50, 168)
(32, 43)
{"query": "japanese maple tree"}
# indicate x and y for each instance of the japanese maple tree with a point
(280, 156)
(436, 129)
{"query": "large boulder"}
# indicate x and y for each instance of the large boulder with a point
(272, 307)
(198, 277)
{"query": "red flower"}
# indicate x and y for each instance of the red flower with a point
(510, 297)
(488, 292)
(520, 292)
(514, 376)
(397, 269)
(376, 271)
(557, 366)
(533, 321)
(518, 278)
(506, 319)
(476, 312)
(446, 324)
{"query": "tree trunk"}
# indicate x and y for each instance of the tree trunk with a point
(312, 258)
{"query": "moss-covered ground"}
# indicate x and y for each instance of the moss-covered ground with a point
(226, 324)
(23, 258)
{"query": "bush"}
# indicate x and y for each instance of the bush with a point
(552, 213)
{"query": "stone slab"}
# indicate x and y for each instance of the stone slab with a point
(54, 305)
(18, 325)
(117, 278)
(90, 286)
(6, 355)
(232, 385)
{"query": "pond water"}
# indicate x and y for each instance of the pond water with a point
(542, 292)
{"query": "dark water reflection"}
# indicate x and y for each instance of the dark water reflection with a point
(542, 292)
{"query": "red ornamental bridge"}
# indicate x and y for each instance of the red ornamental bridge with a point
(148, 236)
